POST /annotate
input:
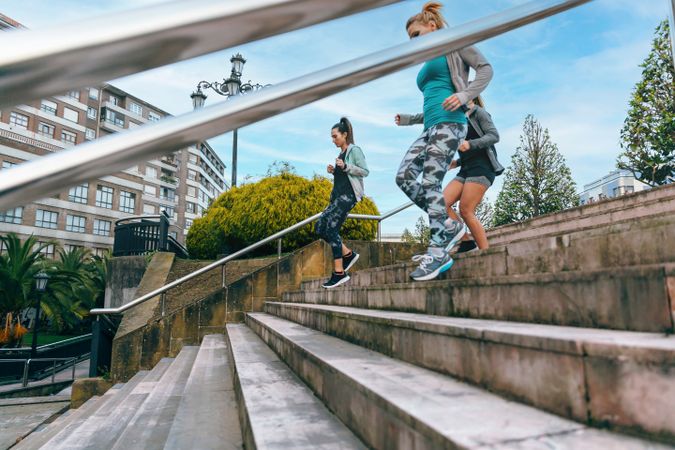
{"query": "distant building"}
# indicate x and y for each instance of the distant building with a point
(182, 183)
(616, 183)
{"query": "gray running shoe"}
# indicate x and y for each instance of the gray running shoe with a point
(430, 266)
(454, 232)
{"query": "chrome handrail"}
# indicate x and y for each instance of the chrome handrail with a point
(39, 63)
(48, 346)
(26, 365)
(221, 262)
(36, 179)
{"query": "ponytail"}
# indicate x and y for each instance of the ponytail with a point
(431, 12)
(345, 126)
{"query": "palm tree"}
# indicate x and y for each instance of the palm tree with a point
(18, 265)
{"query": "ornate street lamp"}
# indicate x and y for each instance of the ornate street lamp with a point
(41, 279)
(229, 87)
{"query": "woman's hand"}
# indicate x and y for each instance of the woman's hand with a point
(330, 168)
(451, 103)
(453, 165)
(464, 146)
(397, 119)
(340, 163)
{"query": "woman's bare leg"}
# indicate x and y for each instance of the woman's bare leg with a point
(472, 194)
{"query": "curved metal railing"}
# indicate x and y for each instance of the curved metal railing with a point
(221, 262)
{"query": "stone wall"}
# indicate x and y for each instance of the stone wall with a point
(124, 275)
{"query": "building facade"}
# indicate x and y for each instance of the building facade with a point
(614, 184)
(182, 183)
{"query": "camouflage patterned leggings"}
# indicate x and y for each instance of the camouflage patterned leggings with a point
(430, 155)
(332, 218)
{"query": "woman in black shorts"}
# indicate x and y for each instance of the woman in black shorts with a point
(478, 168)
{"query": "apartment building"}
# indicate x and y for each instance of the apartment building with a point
(182, 183)
(615, 183)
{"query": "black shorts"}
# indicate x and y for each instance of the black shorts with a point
(476, 174)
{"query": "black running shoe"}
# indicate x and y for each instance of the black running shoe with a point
(349, 261)
(467, 246)
(336, 280)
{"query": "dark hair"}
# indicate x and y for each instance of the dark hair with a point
(431, 12)
(345, 126)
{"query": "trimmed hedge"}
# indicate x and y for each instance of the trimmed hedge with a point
(246, 214)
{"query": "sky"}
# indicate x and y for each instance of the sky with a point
(574, 72)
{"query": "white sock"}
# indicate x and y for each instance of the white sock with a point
(436, 251)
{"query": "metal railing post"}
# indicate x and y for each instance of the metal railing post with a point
(379, 231)
(222, 273)
(162, 299)
(279, 249)
(53, 371)
(24, 382)
(74, 363)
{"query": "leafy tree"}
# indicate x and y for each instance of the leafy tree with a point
(248, 213)
(537, 182)
(408, 237)
(422, 231)
(648, 134)
(485, 213)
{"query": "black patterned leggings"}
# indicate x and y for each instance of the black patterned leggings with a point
(332, 218)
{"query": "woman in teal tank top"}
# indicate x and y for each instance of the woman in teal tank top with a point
(444, 84)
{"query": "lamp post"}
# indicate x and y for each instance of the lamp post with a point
(229, 87)
(41, 279)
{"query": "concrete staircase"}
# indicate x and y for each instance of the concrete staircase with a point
(560, 336)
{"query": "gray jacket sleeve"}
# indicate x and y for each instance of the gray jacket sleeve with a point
(475, 59)
(490, 135)
(357, 163)
(411, 119)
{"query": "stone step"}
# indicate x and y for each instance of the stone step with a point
(207, 417)
(113, 394)
(392, 404)
(635, 207)
(611, 378)
(149, 427)
(68, 420)
(102, 428)
(276, 409)
(617, 245)
(632, 298)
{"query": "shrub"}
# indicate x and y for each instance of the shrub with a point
(246, 214)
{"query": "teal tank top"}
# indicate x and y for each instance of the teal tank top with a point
(435, 83)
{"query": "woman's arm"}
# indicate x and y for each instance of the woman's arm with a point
(490, 134)
(410, 119)
(475, 59)
(357, 163)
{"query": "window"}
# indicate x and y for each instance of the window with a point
(46, 219)
(90, 134)
(194, 159)
(167, 194)
(101, 227)
(68, 136)
(190, 207)
(173, 234)
(93, 93)
(71, 114)
(71, 247)
(45, 129)
(112, 117)
(104, 197)
(192, 175)
(150, 172)
(149, 209)
(79, 194)
(12, 215)
(188, 224)
(169, 209)
(74, 94)
(114, 100)
(136, 109)
(127, 202)
(48, 106)
(18, 120)
(8, 164)
(192, 191)
(75, 224)
(48, 250)
(152, 190)
(153, 116)
(92, 113)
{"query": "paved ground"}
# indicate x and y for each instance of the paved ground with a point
(81, 371)
(20, 416)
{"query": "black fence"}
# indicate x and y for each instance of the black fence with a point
(141, 235)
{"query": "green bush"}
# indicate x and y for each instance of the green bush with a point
(246, 214)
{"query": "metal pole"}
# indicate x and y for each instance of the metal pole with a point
(222, 273)
(53, 370)
(25, 373)
(74, 362)
(36, 325)
(163, 302)
(379, 231)
(279, 249)
(671, 21)
(234, 158)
